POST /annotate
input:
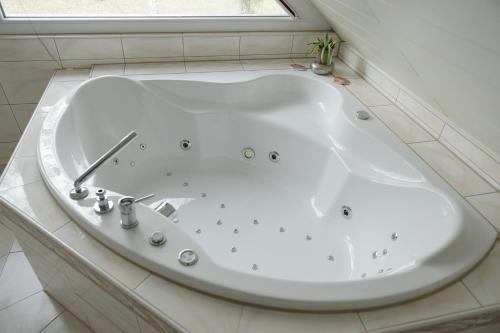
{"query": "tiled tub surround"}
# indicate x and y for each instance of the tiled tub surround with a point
(28, 62)
(473, 153)
(91, 280)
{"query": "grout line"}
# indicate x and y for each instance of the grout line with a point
(475, 195)
(239, 318)
(358, 314)
(470, 291)
(53, 319)
(20, 300)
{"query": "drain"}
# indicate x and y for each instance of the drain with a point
(274, 156)
(185, 144)
(248, 153)
(362, 115)
(346, 211)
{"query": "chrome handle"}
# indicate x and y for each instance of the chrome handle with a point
(80, 192)
(127, 210)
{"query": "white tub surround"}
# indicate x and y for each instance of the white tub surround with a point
(103, 289)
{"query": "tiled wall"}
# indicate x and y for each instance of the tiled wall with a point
(438, 125)
(445, 52)
(28, 62)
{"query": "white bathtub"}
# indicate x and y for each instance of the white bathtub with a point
(265, 232)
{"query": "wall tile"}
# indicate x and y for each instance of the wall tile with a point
(213, 58)
(195, 311)
(252, 65)
(87, 63)
(89, 48)
(150, 60)
(430, 122)
(489, 206)
(6, 241)
(453, 170)
(153, 46)
(108, 69)
(9, 131)
(213, 66)
(366, 93)
(483, 280)
(23, 113)
(155, 68)
(24, 82)
(455, 298)
(211, 44)
(266, 44)
(256, 320)
(401, 124)
(71, 75)
(19, 48)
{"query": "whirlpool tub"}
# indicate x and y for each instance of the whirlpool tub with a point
(277, 193)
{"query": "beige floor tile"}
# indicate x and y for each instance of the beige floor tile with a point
(23, 113)
(489, 206)
(18, 280)
(255, 320)
(451, 168)
(29, 315)
(66, 323)
(401, 124)
(455, 298)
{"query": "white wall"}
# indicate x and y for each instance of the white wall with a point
(447, 52)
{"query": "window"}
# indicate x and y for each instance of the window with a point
(143, 8)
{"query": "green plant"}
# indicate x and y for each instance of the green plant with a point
(323, 47)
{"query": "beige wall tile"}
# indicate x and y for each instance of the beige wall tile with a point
(211, 44)
(27, 48)
(153, 46)
(453, 170)
(77, 48)
(266, 44)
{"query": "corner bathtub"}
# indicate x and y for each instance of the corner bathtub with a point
(271, 232)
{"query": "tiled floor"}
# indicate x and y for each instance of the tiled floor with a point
(24, 306)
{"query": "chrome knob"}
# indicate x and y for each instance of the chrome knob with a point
(362, 115)
(103, 205)
(157, 238)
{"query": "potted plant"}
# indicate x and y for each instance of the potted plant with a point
(323, 49)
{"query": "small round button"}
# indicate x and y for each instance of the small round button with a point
(157, 238)
(363, 115)
(188, 257)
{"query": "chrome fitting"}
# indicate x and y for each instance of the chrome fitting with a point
(103, 205)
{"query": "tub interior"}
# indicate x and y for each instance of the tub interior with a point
(283, 219)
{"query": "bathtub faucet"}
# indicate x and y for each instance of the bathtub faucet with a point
(127, 211)
(81, 192)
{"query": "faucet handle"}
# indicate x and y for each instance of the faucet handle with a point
(127, 210)
(103, 205)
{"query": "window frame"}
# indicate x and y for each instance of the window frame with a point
(302, 16)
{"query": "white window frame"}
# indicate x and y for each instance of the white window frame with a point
(306, 17)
